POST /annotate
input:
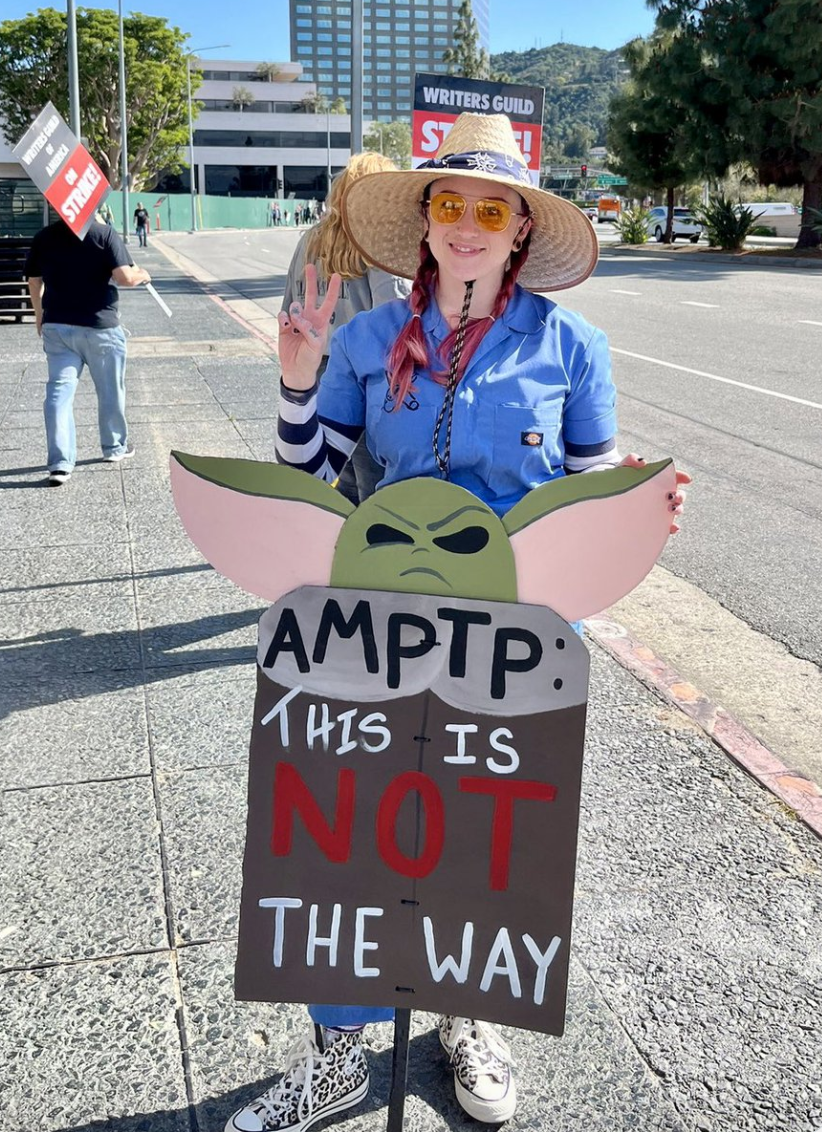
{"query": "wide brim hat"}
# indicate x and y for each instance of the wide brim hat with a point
(381, 211)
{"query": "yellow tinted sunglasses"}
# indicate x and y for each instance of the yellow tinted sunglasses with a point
(490, 215)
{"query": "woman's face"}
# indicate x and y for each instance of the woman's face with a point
(464, 250)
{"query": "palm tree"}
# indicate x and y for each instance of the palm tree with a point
(268, 72)
(241, 97)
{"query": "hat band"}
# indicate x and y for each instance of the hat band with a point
(482, 161)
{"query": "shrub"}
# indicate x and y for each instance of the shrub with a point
(632, 225)
(762, 230)
(816, 219)
(726, 223)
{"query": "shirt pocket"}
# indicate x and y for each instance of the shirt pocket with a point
(527, 449)
(402, 441)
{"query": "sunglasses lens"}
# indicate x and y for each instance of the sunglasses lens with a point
(447, 208)
(493, 215)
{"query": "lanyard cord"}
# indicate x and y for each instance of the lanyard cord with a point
(443, 459)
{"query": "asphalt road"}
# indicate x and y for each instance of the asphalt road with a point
(716, 365)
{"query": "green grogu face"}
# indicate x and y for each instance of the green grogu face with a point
(426, 536)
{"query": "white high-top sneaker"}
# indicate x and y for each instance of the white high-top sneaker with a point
(482, 1068)
(315, 1084)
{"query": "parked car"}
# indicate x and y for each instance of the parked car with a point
(685, 224)
(590, 211)
(782, 218)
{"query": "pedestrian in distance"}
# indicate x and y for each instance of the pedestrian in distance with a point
(476, 378)
(329, 249)
(73, 288)
(142, 222)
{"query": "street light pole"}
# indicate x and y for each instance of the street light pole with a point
(73, 70)
(123, 127)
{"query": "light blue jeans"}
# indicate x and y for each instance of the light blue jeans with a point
(68, 349)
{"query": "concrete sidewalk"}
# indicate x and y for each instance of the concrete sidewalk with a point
(126, 702)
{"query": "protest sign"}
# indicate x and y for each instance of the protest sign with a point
(418, 731)
(62, 169)
(440, 99)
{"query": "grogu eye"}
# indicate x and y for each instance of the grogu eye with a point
(467, 541)
(380, 534)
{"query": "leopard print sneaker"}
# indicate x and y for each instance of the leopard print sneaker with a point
(314, 1085)
(481, 1062)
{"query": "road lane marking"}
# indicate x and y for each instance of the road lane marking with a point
(691, 303)
(716, 377)
(616, 291)
(809, 322)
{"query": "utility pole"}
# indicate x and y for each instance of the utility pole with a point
(73, 71)
(124, 177)
(356, 76)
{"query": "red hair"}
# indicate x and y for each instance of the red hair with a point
(410, 350)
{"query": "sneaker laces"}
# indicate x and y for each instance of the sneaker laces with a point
(485, 1050)
(302, 1066)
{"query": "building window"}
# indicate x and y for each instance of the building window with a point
(422, 39)
(383, 66)
(383, 39)
(403, 67)
(304, 9)
(303, 23)
(304, 35)
(324, 77)
(402, 39)
(325, 50)
(437, 42)
(384, 52)
(403, 105)
(441, 27)
(344, 51)
(324, 24)
(324, 10)
(326, 37)
(403, 54)
(344, 38)
(383, 105)
(382, 26)
(303, 49)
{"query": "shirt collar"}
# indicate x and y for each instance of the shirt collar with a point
(524, 313)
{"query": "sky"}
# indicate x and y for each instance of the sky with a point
(262, 30)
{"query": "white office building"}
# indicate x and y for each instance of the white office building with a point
(253, 136)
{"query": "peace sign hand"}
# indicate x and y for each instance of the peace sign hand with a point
(304, 332)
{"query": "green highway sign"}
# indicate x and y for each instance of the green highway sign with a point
(609, 179)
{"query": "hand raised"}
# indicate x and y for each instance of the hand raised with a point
(304, 332)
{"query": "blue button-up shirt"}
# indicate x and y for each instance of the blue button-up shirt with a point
(540, 379)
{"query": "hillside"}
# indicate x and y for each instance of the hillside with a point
(579, 83)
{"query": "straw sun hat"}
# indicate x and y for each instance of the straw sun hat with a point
(381, 211)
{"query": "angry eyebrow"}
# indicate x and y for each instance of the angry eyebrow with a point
(394, 515)
(455, 515)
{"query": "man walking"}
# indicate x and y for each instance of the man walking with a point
(142, 220)
(71, 283)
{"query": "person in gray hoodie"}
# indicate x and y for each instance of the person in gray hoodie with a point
(328, 247)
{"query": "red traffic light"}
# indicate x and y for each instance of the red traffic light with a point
(584, 170)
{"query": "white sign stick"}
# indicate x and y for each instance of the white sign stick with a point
(160, 303)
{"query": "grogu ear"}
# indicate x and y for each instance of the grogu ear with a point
(582, 542)
(267, 527)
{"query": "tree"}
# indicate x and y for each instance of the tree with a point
(466, 58)
(241, 97)
(649, 136)
(34, 71)
(754, 88)
(393, 139)
(268, 72)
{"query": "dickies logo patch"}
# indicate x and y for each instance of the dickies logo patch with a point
(531, 439)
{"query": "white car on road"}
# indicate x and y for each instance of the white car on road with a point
(685, 224)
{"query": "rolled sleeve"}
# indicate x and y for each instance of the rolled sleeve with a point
(589, 416)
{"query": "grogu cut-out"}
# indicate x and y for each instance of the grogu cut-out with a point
(575, 544)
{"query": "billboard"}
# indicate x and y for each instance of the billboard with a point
(440, 99)
(62, 169)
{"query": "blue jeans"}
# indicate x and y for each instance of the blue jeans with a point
(333, 1016)
(142, 235)
(68, 349)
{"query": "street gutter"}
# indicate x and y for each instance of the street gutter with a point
(703, 256)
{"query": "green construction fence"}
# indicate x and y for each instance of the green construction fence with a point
(171, 212)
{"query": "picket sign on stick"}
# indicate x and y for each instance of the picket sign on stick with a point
(416, 751)
(160, 302)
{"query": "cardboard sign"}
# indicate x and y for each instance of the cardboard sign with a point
(63, 170)
(418, 732)
(413, 805)
(440, 99)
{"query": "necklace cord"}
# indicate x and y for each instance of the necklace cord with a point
(446, 413)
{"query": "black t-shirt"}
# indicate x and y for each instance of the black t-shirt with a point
(141, 216)
(76, 274)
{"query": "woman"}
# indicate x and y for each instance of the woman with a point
(477, 379)
(329, 249)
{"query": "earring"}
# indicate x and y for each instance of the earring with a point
(517, 245)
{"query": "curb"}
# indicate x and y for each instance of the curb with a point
(701, 258)
(796, 791)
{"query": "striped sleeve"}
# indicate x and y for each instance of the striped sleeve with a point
(305, 440)
(591, 457)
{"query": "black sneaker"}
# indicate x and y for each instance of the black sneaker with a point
(58, 476)
(482, 1068)
(116, 457)
(314, 1085)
